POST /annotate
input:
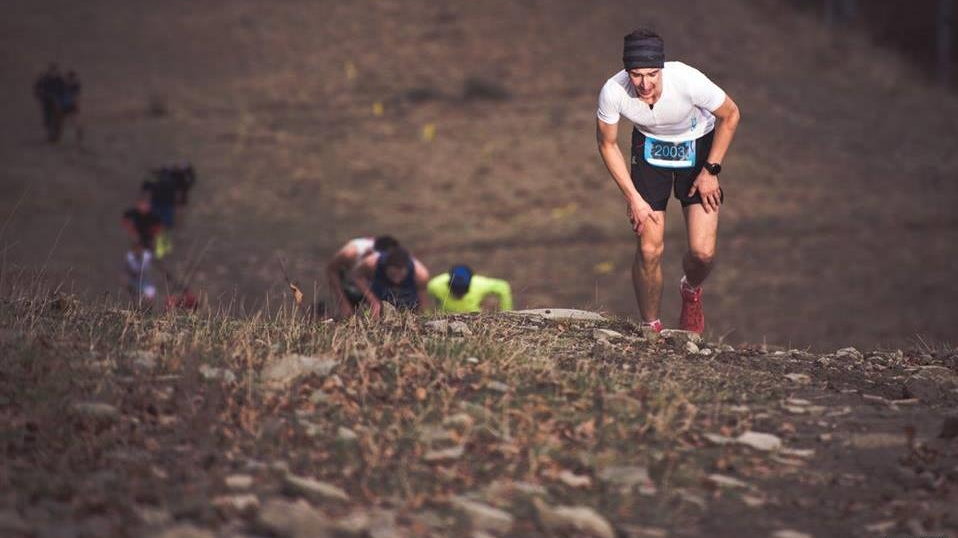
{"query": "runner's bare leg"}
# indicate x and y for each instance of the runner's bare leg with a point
(702, 230)
(647, 268)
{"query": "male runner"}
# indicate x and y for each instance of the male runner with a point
(461, 290)
(683, 125)
(394, 277)
(341, 268)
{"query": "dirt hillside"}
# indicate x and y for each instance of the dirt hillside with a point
(310, 122)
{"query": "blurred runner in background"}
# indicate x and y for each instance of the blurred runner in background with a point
(461, 290)
(393, 277)
(340, 270)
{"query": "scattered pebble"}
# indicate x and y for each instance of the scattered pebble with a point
(759, 441)
(238, 482)
(722, 481)
(95, 410)
(313, 490)
(443, 455)
(573, 480)
(483, 517)
(577, 520)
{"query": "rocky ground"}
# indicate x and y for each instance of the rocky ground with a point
(545, 423)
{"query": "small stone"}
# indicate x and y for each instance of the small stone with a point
(800, 379)
(293, 367)
(627, 477)
(705, 351)
(681, 337)
(717, 439)
(345, 435)
(753, 501)
(313, 490)
(691, 348)
(498, 386)
(95, 410)
(606, 334)
(459, 421)
(560, 313)
(573, 480)
(210, 373)
(439, 326)
(143, 360)
(459, 328)
(483, 517)
(576, 520)
(803, 453)
(472, 360)
(238, 482)
(722, 481)
(849, 353)
(245, 503)
(444, 455)
(292, 520)
(797, 401)
(759, 441)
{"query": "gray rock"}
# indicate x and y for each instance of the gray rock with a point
(789, 533)
(560, 313)
(681, 337)
(606, 334)
(691, 348)
(722, 481)
(314, 490)
(483, 517)
(444, 454)
(849, 353)
(293, 367)
(292, 520)
(574, 520)
(759, 441)
(573, 480)
(498, 386)
(345, 435)
(239, 482)
(210, 373)
(243, 503)
(440, 326)
(799, 379)
(627, 477)
(143, 360)
(459, 328)
(95, 410)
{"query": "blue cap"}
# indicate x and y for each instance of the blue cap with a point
(460, 276)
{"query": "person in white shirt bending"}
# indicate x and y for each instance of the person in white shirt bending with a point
(683, 124)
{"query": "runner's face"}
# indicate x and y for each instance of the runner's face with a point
(396, 274)
(646, 80)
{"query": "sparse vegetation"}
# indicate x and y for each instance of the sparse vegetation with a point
(116, 422)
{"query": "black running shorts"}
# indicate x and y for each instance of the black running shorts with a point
(655, 183)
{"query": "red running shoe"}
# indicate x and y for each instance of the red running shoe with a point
(654, 325)
(692, 317)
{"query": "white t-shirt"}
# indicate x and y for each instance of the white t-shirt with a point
(364, 247)
(683, 111)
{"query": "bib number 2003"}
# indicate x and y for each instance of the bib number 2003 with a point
(670, 154)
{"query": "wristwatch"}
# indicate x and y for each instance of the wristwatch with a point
(713, 168)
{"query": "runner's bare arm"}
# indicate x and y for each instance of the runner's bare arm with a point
(422, 282)
(364, 279)
(707, 185)
(341, 260)
(607, 138)
(727, 117)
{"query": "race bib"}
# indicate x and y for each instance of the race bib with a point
(669, 154)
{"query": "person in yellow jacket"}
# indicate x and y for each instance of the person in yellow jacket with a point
(461, 290)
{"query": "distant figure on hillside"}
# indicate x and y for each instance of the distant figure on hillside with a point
(394, 277)
(683, 124)
(49, 89)
(168, 188)
(340, 271)
(461, 290)
(143, 224)
(137, 273)
(70, 105)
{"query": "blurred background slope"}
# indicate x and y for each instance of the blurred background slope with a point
(467, 130)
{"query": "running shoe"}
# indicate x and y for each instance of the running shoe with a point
(692, 317)
(654, 325)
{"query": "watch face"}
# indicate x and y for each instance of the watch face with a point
(713, 169)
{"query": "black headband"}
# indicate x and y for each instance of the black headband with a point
(642, 52)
